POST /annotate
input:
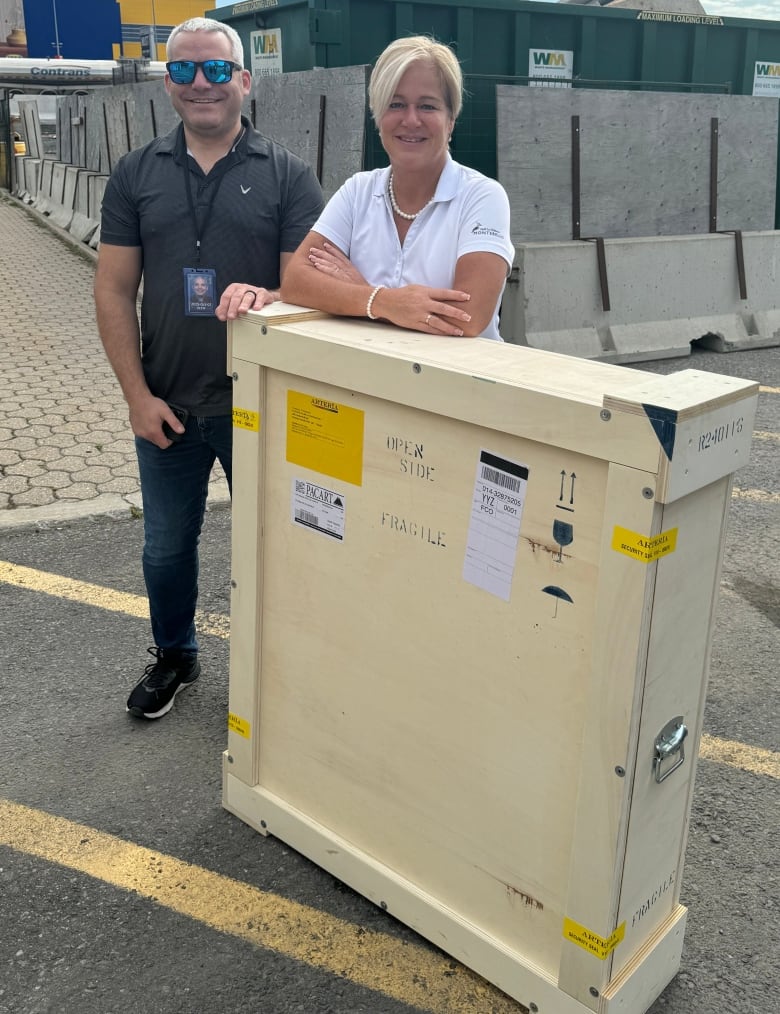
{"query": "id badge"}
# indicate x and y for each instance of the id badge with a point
(200, 292)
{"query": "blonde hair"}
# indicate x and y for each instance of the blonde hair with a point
(396, 59)
(209, 25)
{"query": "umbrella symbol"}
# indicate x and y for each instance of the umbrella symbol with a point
(557, 593)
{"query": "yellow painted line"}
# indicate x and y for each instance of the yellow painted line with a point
(766, 435)
(756, 495)
(410, 973)
(740, 755)
(99, 597)
(768, 390)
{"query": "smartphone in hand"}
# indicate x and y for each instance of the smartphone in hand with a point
(182, 415)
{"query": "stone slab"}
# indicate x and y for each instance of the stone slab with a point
(294, 108)
(644, 161)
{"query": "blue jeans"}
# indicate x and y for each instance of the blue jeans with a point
(174, 486)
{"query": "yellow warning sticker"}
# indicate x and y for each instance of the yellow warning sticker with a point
(245, 419)
(325, 436)
(239, 725)
(601, 947)
(642, 547)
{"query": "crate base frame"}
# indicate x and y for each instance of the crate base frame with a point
(269, 815)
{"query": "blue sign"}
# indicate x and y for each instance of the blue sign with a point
(74, 29)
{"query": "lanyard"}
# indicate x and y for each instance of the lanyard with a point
(201, 226)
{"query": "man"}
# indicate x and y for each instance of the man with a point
(201, 298)
(217, 201)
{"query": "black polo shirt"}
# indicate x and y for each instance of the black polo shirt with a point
(265, 202)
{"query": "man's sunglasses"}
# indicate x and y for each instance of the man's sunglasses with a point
(215, 71)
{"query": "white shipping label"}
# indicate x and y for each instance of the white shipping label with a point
(322, 510)
(494, 527)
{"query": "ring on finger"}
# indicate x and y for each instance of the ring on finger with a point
(428, 320)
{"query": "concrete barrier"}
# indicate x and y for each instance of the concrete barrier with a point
(60, 212)
(664, 292)
(96, 187)
(69, 189)
(83, 226)
(43, 197)
(28, 178)
(55, 195)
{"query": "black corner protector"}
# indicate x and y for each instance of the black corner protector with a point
(664, 422)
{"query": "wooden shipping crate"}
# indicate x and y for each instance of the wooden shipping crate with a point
(473, 590)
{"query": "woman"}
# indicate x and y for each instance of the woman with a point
(424, 243)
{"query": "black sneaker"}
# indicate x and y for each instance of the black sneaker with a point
(171, 672)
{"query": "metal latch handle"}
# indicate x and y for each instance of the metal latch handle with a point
(668, 742)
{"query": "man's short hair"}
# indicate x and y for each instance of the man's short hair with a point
(209, 25)
(396, 59)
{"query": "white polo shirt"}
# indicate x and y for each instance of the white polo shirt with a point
(469, 213)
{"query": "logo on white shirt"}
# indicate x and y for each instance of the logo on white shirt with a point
(484, 230)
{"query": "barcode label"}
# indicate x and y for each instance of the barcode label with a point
(496, 515)
(501, 479)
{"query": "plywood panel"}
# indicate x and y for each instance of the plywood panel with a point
(644, 161)
(440, 800)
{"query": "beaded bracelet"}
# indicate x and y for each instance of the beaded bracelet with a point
(370, 303)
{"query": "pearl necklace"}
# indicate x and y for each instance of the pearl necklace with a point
(396, 209)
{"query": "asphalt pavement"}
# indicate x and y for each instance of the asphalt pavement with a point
(124, 886)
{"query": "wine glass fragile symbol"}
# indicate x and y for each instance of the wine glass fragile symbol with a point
(563, 533)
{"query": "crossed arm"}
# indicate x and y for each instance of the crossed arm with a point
(321, 276)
